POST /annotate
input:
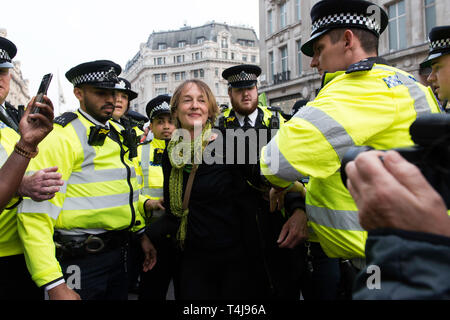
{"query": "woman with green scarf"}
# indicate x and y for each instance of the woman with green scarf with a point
(207, 226)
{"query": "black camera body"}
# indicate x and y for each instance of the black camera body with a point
(431, 152)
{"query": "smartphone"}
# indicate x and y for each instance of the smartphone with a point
(45, 83)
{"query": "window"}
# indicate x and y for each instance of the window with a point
(271, 66)
(299, 57)
(161, 77)
(253, 59)
(284, 59)
(269, 22)
(430, 15)
(200, 40)
(196, 56)
(217, 72)
(244, 58)
(181, 44)
(162, 46)
(224, 43)
(159, 91)
(159, 61)
(232, 56)
(199, 73)
(298, 9)
(250, 43)
(283, 15)
(180, 59)
(224, 55)
(180, 76)
(217, 89)
(397, 26)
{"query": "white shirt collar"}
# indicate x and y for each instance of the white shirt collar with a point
(90, 118)
(252, 117)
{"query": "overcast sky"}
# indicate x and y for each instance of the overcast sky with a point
(53, 36)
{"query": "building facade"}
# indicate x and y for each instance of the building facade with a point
(168, 58)
(286, 24)
(18, 92)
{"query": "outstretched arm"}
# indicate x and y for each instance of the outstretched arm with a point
(33, 129)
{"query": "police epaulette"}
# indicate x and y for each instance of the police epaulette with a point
(66, 118)
(363, 65)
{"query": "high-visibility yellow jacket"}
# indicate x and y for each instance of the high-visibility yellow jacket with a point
(150, 156)
(370, 104)
(101, 193)
(9, 238)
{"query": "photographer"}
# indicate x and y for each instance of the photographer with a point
(409, 229)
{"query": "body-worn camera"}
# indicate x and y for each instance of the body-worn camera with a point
(431, 153)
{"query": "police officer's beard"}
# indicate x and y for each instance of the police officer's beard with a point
(243, 110)
(97, 115)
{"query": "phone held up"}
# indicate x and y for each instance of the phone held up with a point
(45, 83)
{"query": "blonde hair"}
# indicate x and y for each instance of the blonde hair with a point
(213, 108)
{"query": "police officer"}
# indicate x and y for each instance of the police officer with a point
(439, 60)
(100, 203)
(270, 237)
(15, 154)
(8, 114)
(363, 101)
(154, 284)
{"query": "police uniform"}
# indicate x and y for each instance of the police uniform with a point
(371, 103)
(89, 220)
(8, 114)
(15, 281)
(439, 46)
(154, 283)
(274, 270)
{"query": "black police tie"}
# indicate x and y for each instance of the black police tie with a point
(246, 125)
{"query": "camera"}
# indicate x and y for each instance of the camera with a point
(431, 152)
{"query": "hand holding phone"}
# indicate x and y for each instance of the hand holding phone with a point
(45, 83)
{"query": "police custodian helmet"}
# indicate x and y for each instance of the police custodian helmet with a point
(8, 51)
(439, 44)
(333, 14)
(101, 74)
(242, 76)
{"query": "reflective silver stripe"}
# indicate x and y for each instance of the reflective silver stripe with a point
(153, 192)
(139, 180)
(77, 231)
(101, 176)
(278, 164)
(420, 99)
(45, 207)
(332, 130)
(3, 155)
(336, 219)
(100, 202)
(145, 163)
(89, 151)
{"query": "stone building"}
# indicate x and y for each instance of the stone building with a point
(170, 57)
(18, 93)
(286, 24)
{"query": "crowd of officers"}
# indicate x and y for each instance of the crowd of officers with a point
(85, 220)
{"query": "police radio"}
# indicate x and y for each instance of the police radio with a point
(97, 135)
(275, 119)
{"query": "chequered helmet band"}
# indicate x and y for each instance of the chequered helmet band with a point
(243, 76)
(346, 19)
(100, 76)
(440, 44)
(4, 55)
(162, 107)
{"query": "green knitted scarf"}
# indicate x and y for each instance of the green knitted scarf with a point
(183, 154)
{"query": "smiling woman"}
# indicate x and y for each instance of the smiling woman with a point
(205, 224)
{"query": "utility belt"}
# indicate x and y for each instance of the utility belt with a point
(78, 246)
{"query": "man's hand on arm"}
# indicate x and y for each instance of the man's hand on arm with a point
(63, 292)
(294, 231)
(42, 185)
